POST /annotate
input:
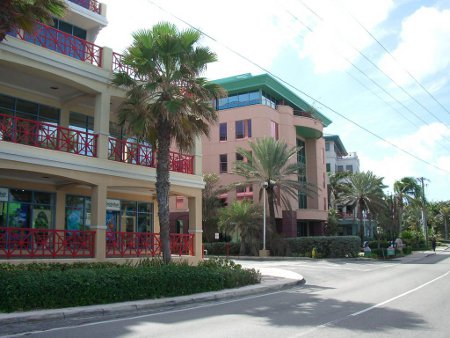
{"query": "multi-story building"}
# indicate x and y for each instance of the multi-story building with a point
(260, 106)
(339, 160)
(71, 183)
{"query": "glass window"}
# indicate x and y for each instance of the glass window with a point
(239, 157)
(223, 131)
(78, 212)
(243, 98)
(79, 32)
(328, 167)
(340, 168)
(223, 163)
(254, 97)
(48, 114)
(7, 103)
(327, 146)
(233, 101)
(18, 195)
(240, 129)
(349, 168)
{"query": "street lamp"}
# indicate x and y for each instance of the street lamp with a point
(264, 186)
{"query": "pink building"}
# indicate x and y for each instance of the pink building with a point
(260, 106)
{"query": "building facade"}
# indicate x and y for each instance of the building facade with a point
(260, 106)
(339, 160)
(72, 185)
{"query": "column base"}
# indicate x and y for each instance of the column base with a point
(264, 253)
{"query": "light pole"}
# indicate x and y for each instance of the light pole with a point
(264, 186)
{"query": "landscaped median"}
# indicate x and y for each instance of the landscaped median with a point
(45, 286)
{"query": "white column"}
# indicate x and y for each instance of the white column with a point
(101, 123)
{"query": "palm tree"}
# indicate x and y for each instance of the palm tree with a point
(268, 164)
(167, 100)
(244, 218)
(337, 186)
(407, 191)
(210, 204)
(444, 213)
(24, 13)
(366, 192)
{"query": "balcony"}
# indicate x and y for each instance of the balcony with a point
(143, 154)
(47, 136)
(49, 243)
(92, 5)
(61, 42)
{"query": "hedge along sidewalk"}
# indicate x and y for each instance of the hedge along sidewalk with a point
(272, 280)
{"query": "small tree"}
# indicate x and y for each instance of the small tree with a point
(244, 218)
(210, 204)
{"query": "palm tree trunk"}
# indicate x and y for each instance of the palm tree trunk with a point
(242, 248)
(446, 227)
(271, 203)
(361, 224)
(162, 190)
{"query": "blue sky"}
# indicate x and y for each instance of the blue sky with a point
(382, 64)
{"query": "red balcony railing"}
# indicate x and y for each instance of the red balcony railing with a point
(143, 154)
(61, 42)
(46, 243)
(92, 5)
(119, 67)
(47, 135)
(145, 244)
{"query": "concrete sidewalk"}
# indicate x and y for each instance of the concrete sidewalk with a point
(272, 280)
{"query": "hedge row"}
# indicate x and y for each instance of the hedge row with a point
(326, 246)
(43, 287)
(222, 248)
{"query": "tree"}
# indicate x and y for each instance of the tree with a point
(444, 213)
(210, 204)
(269, 164)
(366, 192)
(243, 217)
(407, 191)
(24, 13)
(338, 185)
(167, 100)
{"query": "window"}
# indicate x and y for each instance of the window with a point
(239, 157)
(223, 163)
(223, 131)
(340, 168)
(327, 146)
(28, 110)
(179, 202)
(328, 167)
(78, 212)
(239, 100)
(243, 129)
(349, 168)
(274, 130)
(244, 192)
(302, 229)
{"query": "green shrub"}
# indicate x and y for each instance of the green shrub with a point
(326, 246)
(220, 248)
(43, 286)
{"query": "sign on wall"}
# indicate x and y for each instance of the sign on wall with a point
(4, 194)
(113, 205)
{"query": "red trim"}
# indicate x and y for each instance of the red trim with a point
(92, 5)
(141, 154)
(47, 136)
(61, 42)
(146, 244)
(46, 243)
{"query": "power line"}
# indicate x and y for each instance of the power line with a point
(395, 59)
(379, 69)
(297, 89)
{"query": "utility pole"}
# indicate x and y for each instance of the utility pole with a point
(424, 214)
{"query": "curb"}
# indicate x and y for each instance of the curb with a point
(140, 307)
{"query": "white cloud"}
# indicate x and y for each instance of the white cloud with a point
(336, 36)
(429, 143)
(423, 48)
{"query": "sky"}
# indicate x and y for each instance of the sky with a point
(379, 69)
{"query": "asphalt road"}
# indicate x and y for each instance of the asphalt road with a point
(341, 298)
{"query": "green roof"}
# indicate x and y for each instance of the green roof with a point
(273, 87)
(338, 144)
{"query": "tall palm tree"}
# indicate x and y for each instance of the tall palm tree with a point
(366, 192)
(167, 100)
(269, 165)
(337, 186)
(23, 14)
(407, 191)
(444, 213)
(244, 218)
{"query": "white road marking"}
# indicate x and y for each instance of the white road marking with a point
(330, 323)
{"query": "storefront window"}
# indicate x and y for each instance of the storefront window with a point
(27, 209)
(136, 216)
(78, 211)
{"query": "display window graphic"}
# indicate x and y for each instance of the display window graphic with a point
(42, 219)
(73, 220)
